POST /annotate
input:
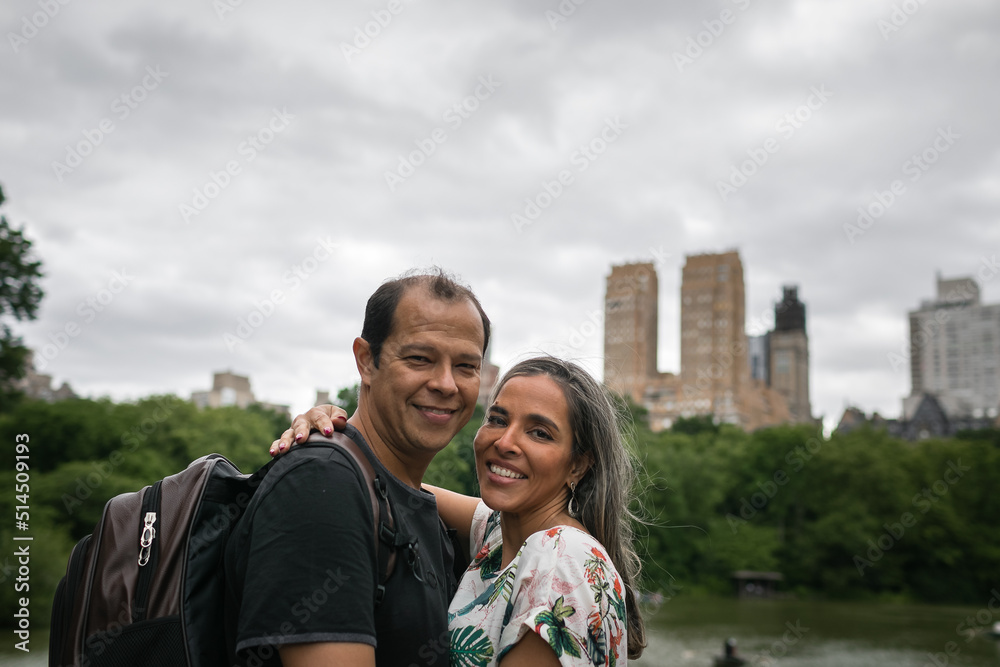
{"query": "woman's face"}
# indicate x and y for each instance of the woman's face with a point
(524, 450)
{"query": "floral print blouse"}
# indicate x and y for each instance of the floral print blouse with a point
(560, 585)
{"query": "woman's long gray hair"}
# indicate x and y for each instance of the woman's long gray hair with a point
(605, 491)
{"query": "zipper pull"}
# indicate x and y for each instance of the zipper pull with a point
(148, 535)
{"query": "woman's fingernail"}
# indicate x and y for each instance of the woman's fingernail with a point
(273, 451)
(298, 436)
(327, 431)
(282, 447)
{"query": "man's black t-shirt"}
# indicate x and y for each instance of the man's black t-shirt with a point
(301, 564)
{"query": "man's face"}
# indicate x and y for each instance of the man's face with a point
(427, 381)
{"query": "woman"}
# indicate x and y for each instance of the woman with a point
(553, 578)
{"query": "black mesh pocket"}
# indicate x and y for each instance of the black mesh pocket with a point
(154, 643)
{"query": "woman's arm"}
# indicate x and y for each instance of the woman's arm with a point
(456, 511)
(530, 651)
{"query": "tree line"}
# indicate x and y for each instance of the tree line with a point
(862, 515)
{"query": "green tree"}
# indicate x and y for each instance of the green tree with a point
(856, 516)
(695, 425)
(20, 295)
(633, 412)
(454, 467)
(279, 421)
(347, 398)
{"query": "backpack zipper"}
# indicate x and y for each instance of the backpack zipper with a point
(149, 550)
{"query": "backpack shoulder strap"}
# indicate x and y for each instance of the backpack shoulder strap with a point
(384, 527)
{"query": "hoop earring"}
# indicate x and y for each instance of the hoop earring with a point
(572, 506)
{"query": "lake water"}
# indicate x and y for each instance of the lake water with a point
(787, 633)
(793, 633)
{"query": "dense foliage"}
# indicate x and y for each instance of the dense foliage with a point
(859, 515)
(20, 296)
(853, 516)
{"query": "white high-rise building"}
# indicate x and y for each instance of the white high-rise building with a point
(955, 351)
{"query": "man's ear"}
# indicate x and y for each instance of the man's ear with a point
(364, 359)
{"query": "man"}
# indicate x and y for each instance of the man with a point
(301, 563)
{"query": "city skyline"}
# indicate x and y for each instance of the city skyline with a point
(749, 381)
(221, 186)
(968, 286)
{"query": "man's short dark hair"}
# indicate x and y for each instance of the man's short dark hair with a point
(381, 308)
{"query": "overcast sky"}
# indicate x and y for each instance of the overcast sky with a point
(182, 165)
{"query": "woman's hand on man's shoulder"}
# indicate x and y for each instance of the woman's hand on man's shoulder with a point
(323, 418)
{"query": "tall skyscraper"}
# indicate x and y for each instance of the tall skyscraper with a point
(713, 340)
(955, 351)
(714, 377)
(789, 355)
(630, 328)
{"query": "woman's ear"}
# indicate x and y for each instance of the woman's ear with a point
(580, 467)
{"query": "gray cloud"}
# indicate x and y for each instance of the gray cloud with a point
(654, 191)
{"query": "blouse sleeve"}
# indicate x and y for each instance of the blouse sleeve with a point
(477, 535)
(567, 591)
